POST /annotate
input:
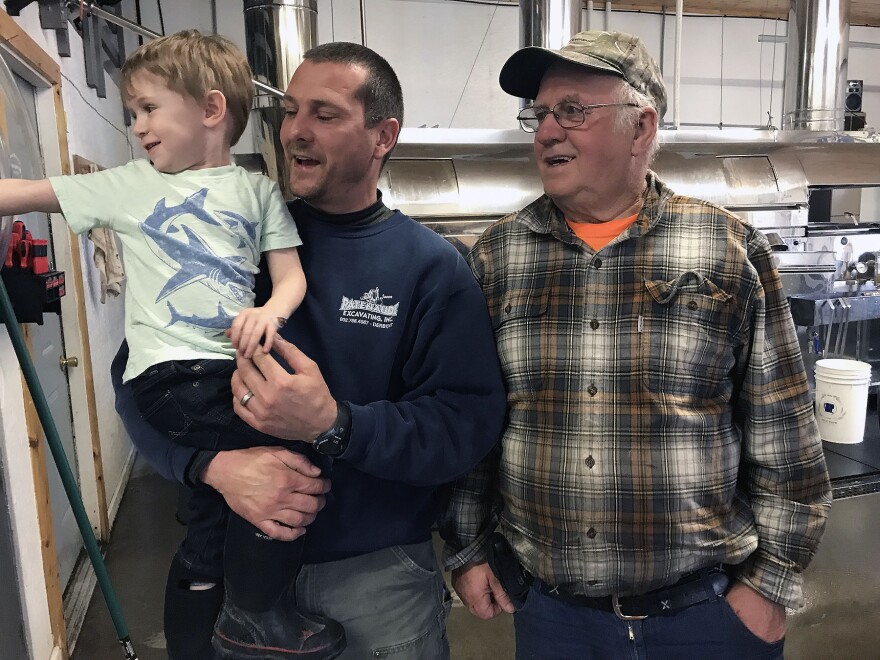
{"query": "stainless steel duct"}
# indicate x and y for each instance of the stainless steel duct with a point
(548, 23)
(277, 33)
(816, 64)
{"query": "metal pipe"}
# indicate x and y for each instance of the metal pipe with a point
(548, 23)
(607, 15)
(90, 8)
(589, 14)
(815, 64)
(278, 35)
(268, 89)
(662, 59)
(363, 22)
(676, 78)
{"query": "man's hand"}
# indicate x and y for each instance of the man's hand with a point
(274, 489)
(480, 591)
(762, 616)
(295, 406)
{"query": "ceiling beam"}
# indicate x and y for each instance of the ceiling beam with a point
(862, 12)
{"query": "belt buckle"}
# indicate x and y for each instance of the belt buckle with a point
(615, 605)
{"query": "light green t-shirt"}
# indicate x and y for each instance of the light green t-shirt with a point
(191, 249)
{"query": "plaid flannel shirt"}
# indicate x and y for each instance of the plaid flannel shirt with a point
(659, 414)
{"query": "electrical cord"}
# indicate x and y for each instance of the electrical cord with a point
(473, 64)
(97, 112)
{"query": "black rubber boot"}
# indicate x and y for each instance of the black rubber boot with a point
(281, 633)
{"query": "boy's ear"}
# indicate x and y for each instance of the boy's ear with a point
(215, 108)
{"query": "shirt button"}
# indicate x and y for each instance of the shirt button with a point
(591, 533)
(692, 305)
(197, 367)
(507, 309)
(597, 264)
(592, 389)
(590, 462)
(594, 324)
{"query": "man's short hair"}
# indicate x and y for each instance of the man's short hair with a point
(380, 94)
(613, 53)
(192, 64)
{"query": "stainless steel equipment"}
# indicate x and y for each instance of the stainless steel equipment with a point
(278, 33)
(816, 64)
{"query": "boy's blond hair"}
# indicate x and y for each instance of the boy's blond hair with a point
(193, 64)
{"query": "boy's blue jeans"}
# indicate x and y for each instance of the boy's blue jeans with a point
(191, 401)
(549, 629)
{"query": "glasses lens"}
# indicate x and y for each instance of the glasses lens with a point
(569, 115)
(528, 120)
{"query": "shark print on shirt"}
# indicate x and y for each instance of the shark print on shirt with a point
(174, 235)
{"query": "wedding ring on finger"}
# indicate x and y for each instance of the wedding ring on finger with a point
(247, 397)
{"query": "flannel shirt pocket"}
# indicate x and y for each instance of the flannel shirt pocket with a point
(523, 342)
(685, 336)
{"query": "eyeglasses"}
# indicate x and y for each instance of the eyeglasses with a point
(568, 114)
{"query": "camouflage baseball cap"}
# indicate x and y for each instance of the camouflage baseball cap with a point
(614, 53)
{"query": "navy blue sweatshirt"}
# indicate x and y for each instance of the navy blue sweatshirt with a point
(399, 328)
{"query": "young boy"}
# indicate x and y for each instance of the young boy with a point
(193, 227)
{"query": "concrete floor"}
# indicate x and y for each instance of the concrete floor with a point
(143, 542)
(841, 620)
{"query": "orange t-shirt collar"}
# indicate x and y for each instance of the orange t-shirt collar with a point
(599, 234)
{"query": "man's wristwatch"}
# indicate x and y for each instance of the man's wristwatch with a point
(333, 441)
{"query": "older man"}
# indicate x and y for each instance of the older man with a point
(661, 478)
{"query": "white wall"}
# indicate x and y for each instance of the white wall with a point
(448, 56)
(95, 131)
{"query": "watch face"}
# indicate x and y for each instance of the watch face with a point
(331, 445)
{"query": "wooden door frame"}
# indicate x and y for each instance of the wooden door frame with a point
(33, 64)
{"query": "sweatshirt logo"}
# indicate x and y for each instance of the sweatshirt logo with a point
(370, 309)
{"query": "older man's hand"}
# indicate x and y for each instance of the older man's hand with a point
(762, 616)
(480, 591)
(274, 489)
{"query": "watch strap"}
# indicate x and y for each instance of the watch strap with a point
(334, 440)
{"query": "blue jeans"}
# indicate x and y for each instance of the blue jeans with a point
(191, 402)
(548, 629)
(393, 602)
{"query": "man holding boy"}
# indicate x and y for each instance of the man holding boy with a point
(404, 391)
(194, 227)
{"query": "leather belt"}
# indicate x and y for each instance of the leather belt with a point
(700, 586)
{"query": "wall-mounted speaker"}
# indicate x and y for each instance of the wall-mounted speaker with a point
(853, 99)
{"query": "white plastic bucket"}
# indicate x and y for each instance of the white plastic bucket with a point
(842, 399)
